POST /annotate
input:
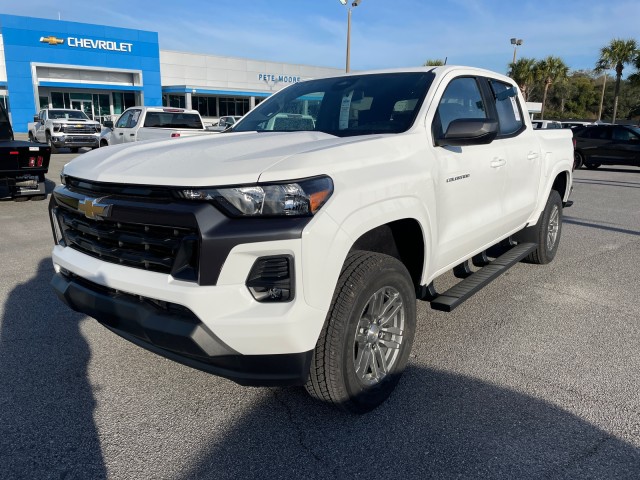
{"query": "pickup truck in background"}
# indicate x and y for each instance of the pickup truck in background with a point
(152, 123)
(60, 128)
(292, 248)
(23, 165)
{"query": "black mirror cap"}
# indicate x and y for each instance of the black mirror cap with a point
(36, 118)
(108, 123)
(469, 131)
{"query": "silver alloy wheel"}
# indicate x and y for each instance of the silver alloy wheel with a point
(554, 226)
(379, 336)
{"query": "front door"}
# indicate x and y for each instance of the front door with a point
(470, 179)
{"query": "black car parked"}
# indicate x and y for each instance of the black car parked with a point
(607, 145)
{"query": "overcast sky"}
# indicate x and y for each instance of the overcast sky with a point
(385, 33)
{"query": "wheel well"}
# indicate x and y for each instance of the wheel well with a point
(560, 184)
(103, 143)
(401, 239)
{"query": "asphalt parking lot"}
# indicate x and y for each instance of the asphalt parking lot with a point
(537, 376)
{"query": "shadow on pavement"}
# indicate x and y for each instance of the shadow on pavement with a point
(46, 402)
(436, 425)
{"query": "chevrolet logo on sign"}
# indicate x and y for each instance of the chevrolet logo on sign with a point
(93, 209)
(51, 40)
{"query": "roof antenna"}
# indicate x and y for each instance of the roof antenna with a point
(445, 60)
(59, 18)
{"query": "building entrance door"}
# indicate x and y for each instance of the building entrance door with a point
(85, 105)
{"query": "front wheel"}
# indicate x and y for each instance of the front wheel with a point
(547, 231)
(365, 342)
(50, 143)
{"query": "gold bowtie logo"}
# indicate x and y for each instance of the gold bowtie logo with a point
(51, 40)
(93, 209)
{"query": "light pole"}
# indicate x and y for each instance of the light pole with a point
(354, 4)
(516, 42)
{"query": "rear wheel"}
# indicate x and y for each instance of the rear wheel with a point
(366, 340)
(548, 229)
(578, 160)
(592, 166)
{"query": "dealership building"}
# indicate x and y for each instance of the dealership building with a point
(104, 70)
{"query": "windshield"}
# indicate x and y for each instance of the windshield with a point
(343, 106)
(75, 114)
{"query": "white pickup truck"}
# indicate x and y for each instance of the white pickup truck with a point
(64, 128)
(293, 252)
(152, 123)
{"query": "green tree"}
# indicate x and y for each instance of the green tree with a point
(618, 53)
(549, 71)
(523, 73)
(433, 62)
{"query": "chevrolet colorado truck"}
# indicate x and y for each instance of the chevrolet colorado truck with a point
(293, 252)
(22, 165)
(153, 123)
(64, 128)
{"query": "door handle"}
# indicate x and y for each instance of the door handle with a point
(121, 134)
(498, 162)
(533, 156)
(132, 134)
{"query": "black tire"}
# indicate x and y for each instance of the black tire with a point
(74, 149)
(548, 230)
(578, 160)
(50, 143)
(354, 333)
(20, 199)
(31, 138)
(103, 143)
(592, 166)
(38, 198)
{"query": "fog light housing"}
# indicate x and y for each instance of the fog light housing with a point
(272, 279)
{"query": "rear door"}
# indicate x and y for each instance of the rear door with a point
(522, 153)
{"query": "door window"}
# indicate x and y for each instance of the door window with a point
(123, 120)
(461, 99)
(508, 107)
(624, 135)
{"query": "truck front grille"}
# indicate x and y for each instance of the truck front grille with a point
(163, 249)
(79, 129)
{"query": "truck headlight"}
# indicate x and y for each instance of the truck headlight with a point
(57, 127)
(295, 199)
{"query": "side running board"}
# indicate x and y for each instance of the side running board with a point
(463, 290)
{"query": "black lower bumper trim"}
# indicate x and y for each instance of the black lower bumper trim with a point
(176, 333)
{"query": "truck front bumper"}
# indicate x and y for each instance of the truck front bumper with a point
(174, 332)
(75, 140)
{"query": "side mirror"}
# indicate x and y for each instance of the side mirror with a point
(108, 124)
(36, 118)
(469, 131)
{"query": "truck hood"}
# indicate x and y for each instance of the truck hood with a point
(73, 121)
(205, 160)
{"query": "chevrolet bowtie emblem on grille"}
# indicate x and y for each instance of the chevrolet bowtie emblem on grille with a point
(93, 209)
(51, 40)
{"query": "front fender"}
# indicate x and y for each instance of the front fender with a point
(326, 243)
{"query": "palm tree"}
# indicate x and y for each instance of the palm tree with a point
(523, 73)
(619, 52)
(435, 62)
(550, 70)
